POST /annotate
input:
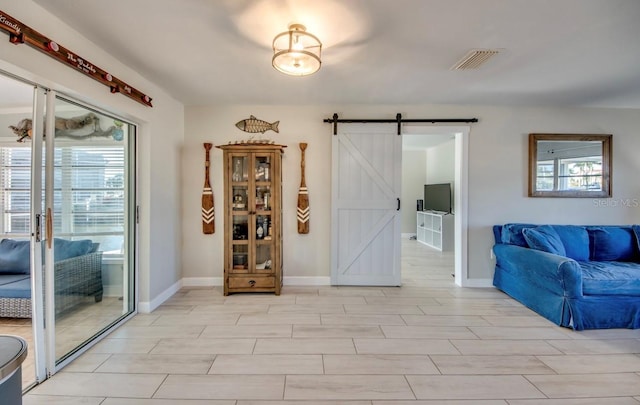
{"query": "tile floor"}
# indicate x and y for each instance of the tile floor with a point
(72, 329)
(427, 342)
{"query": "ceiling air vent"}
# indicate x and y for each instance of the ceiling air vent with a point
(474, 59)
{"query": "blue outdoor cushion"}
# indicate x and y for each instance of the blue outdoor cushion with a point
(544, 238)
(613, 243)
(15, 257)
(610, 278)
(18, 286)
(575, 240)
(66, 249)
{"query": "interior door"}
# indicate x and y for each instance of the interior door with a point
(366, 178)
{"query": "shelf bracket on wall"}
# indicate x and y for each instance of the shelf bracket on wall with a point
(399, 120)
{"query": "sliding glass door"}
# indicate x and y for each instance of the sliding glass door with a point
(89, 222)
(68, 202)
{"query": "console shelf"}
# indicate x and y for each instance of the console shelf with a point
(435, 230)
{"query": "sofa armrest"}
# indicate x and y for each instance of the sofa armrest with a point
(557, 274)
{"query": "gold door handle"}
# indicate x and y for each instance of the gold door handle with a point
(49, 229)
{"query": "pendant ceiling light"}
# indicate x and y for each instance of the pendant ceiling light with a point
(296, 52)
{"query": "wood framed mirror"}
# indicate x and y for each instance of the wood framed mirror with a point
(570, 165)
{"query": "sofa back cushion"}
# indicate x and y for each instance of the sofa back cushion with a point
(613, 243)
(512, 234)
(544, 238)
(65, 249)
(15, 257)
(575, 240)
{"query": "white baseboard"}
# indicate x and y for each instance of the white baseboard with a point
(146, 307)
(217, 281)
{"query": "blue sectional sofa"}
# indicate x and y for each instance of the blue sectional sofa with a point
(77, 275)
(583, 277)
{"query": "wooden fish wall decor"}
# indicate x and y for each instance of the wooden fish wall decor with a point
(254, 125)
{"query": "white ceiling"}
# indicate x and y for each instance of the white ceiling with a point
(554, 52)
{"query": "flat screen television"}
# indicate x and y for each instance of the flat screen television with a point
(437, 197)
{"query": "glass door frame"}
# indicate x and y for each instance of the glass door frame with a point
(40, 337)
(43, 299)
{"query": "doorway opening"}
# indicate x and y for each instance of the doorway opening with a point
(433, 252)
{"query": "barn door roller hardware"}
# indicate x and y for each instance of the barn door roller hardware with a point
(334, 120)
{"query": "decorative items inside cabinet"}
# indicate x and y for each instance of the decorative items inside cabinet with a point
(253, 218)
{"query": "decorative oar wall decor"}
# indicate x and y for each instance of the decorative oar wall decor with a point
(303, 198)
(208, 208)
(20, 33)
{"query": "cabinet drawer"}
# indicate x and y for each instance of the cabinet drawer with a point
(251, 282)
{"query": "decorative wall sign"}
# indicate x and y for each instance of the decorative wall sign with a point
(20, 33)
(303, 198)
(208, 208)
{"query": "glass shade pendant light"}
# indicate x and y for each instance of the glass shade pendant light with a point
(296, 52)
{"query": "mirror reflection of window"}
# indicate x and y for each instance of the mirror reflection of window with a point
(569, 165)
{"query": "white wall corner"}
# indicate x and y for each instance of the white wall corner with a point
(146, 307)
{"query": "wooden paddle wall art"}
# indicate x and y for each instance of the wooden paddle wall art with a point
(20, 33)
(303, 198)
(208, 208)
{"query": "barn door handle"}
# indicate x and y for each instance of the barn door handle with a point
(398, 209)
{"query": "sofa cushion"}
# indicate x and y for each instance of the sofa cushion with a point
(15, 286)
(636, 233)
(610, 278)
(15, 256)
(65, 249)
(575, 240)
(544, 238)
(613, 243)
(512, 234)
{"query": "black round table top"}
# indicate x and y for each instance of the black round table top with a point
(13, 351)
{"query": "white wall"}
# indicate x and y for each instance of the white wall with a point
(161, 134)
(497, 174)
(414, 177)
(441, 163)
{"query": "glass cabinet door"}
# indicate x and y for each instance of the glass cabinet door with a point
(263, 204)
(240, 211)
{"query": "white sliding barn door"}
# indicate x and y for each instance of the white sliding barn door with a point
(366, 178)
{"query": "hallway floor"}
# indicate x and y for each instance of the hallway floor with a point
(427, 342)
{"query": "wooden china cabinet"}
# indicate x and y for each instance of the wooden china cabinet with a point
(252, 217)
